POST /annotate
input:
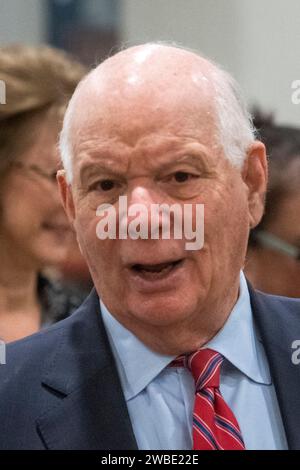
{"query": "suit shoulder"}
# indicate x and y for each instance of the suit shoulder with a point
(31, 353)
(31, 350)
(275, 310)
(282, 303)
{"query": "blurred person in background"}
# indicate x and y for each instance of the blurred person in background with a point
(73, 270)
(34, 232)
(273, 258)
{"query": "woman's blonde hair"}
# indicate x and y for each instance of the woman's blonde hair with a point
(39, 82)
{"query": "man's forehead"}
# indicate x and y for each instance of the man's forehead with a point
(142, 87)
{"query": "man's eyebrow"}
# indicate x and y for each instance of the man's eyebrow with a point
(88, 169)
(200, 160)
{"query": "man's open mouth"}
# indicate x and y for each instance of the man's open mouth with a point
(156, 271)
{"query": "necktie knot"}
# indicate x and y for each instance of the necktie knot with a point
(205, 367)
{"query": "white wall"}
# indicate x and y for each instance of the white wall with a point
(22, 21)
(270, 54)
(193, 23)
(258, 41)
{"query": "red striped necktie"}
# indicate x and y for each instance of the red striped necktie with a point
(214, 424)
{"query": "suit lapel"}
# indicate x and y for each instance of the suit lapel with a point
(88, 409)
(278, 320)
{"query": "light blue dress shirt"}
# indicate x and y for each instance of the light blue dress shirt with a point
(160, 399)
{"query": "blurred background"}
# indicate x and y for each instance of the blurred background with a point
(258, 41)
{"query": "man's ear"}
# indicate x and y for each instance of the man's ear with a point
(255, 176)
(66, 195)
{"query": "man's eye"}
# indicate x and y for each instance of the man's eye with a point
(182, 176)
(106, 185)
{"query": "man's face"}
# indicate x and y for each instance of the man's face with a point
(154, 153)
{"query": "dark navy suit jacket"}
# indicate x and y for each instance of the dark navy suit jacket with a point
(60, 388)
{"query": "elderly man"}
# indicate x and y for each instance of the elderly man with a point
(172, 349)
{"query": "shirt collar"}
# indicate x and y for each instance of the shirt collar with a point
(237, 341)
(136, 363)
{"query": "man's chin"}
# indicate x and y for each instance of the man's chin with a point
(161, 310)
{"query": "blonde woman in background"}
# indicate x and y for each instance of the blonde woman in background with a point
(34, 232)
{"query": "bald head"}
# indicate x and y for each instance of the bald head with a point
(143, 82)
(152, 66)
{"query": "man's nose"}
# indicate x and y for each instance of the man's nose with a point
(148, 206)
(145, 196)
(141, 203)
